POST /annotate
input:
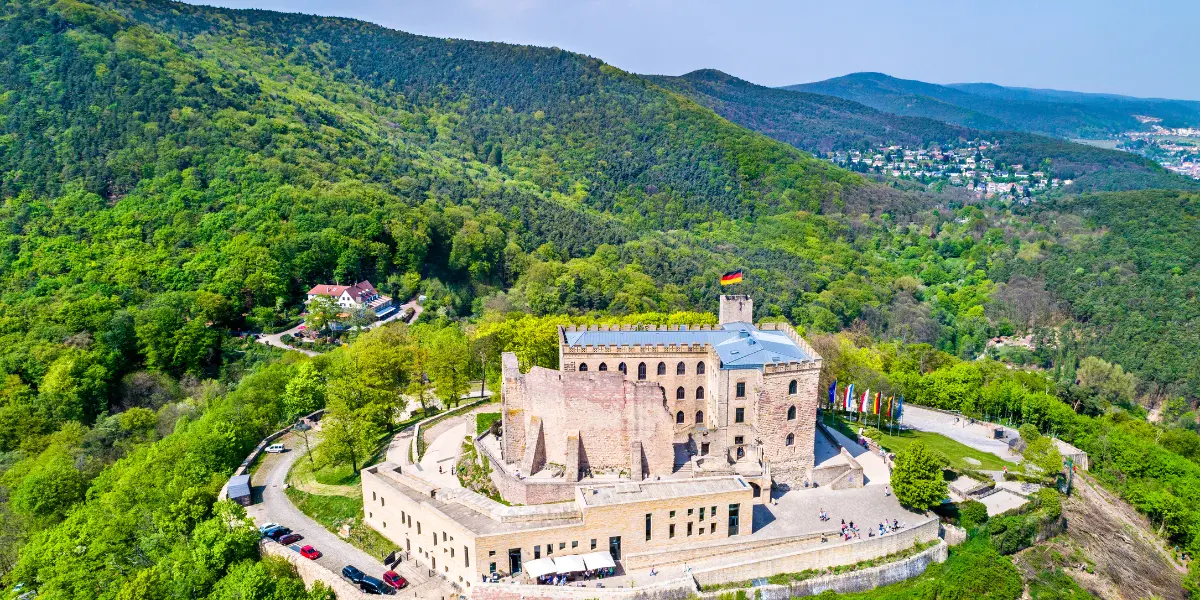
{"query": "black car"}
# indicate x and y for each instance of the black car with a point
(275, 534)
(372, 585)
(352, 573)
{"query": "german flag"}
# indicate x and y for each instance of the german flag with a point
(732, 277)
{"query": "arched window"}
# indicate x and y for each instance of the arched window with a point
(700, 393)
(679, 417)
(622, 369)
(791, 439)
(792, 387)
(583, 366)
(662, 368)
(679, 393)
(603, 367)
(699, 417)
(791, 413)
(680, 369)
(700, 368)
(641, 371)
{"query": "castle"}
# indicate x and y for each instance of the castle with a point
(649, 446)
(649, 401)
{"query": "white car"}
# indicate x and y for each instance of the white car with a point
(275, 448)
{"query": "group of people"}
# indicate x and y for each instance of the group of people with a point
(850, 531)
(553, 579)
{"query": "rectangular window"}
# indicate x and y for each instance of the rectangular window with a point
(648, 527)
(701, 513)
(741, 389)
(466, 557)
(492, 568)
(443, 536)
(690, 511)
(737, 440)
(713, 528)
(704, 449)
(537, 552)
(593, 543)
(739, 415)
(491, 552)
(690, 529)
(733, 519)
(562, 545)
(671, 530)
(714, 512)
(549, 549)
(672, 514)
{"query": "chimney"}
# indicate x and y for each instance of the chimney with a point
(736, 309)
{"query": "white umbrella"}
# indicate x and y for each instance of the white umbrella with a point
(539, 567)
(569, 564)
(599, 560)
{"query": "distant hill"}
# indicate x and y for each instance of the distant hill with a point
(820, 123)
(990, 106)
(812, 122)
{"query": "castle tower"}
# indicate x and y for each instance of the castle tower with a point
(736, 309)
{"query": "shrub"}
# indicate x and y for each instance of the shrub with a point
(1051, 503)
(286, 338)
(972, 514)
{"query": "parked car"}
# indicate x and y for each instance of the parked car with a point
(269, 531)
(372, 585)
(352, 573)
(394, 579)
(290, 538)
(275, 534)
(310, 553)
(269, 526)
(275, 448)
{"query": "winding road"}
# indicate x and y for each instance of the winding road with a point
(276, 507)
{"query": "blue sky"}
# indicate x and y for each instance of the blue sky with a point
(1141, 48)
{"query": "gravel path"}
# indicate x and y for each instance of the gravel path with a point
(276, 507)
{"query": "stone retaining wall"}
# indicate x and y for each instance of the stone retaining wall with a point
(854, 581)
(705, 550)
(676, 589)
(745, 568)
(244, 468)
(524, 491)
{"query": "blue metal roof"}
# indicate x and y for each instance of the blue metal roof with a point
(739, 345)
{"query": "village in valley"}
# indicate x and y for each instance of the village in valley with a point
(968, 166)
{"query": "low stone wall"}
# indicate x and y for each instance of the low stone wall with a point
(311, 572)
(826, 555)
(524, 491)
(953, 535)
(675, 589)
(435, 419)
(705, 550)
(854, 581)
(840, 477)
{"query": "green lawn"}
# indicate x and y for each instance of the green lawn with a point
(483, 421)
(953, 450)
(333, 511)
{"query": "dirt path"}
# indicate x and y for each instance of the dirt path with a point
(1131, 561)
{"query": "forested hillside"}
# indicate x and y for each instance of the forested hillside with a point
(820, 123)
(174, 175)
(989, 106)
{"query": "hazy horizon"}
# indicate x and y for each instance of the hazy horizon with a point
(1102, 46)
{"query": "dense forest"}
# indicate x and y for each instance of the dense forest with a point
(990, 106)
(173, 176)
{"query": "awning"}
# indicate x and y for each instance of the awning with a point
(569, 564)
(539, 567)
(599, 560)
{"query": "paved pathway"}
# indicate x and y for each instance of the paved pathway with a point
(276, 507)
(977, 436)
(875, 471)
(272, 339)
(437, 466)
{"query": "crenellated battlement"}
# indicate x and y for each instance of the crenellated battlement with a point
(636, 349)
(639, 327)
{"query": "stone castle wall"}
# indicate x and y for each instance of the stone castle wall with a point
(789, 463)
(603, 414)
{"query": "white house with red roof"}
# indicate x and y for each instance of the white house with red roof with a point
(357, 296)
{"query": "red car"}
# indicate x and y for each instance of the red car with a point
(394, 579)
(310, 553)
(290, 538)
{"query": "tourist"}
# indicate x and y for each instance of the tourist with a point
(653, 572)
(887, 490)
